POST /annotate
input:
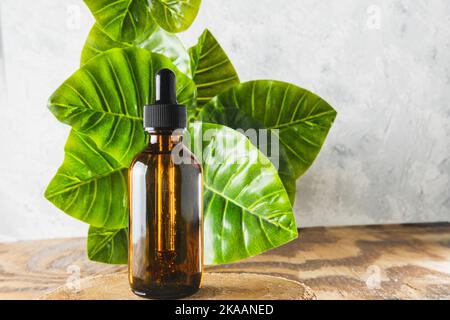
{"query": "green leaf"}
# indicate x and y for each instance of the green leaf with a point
(90, 185)
(212, 70)
(105, 97)
(159, 41)
(246, 208)
(174, 15)
(108, 245)
(123, 20)
(298, 118)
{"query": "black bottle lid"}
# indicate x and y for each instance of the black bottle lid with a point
(165, 113)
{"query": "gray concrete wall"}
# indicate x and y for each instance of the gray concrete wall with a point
(384, 65)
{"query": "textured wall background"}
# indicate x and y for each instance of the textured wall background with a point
(384, 65)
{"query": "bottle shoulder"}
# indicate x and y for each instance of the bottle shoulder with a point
(179, 157)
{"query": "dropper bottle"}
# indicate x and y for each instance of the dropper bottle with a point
(165, 256)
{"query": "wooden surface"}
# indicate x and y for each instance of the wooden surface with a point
(215, 286)
(374, 262)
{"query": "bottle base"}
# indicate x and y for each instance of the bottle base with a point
(166, 294)
(178, 288)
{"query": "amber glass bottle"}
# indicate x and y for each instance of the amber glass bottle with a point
(165, 193)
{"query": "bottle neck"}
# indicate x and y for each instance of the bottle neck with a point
(164, 141)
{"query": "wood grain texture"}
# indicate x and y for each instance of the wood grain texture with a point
(372, 262)
(215, 286)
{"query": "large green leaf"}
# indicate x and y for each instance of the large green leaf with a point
(299, 119)
(159, 41)
(174, 15)
(90, 185)
(108, 245)
(212, 70)
(247, 210)
(123, 20)
(105, 97)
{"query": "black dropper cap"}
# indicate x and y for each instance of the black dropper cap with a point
(165, 113)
